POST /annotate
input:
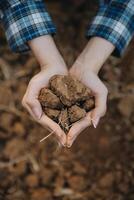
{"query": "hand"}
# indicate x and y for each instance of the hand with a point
(86, 69)
(31, 103)
(51, 63)
(91, 80)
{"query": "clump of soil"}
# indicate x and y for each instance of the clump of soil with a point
(89, 104)
(66, 100)
(52, 113)
(69, 90)
(49, 100)
(76, 113)
(64, 120)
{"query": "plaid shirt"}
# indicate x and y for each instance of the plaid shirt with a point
(24, 20)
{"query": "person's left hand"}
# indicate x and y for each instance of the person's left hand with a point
(85, 69)
(99, 90)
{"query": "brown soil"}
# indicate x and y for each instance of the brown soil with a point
(65, 93)
(76, 113)
(49, 100)
(69, 90)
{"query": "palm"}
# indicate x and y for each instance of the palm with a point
(31, 103)
(99, 91)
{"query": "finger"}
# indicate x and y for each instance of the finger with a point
(33, 106)
(47, 122)
(50, 125)
(31, 113)
(100, 107)
(30, 99)
(100, 93)
(77, 128)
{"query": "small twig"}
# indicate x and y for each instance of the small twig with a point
(28, 157)
(12, 162)
(34, 163)
(10, 109)
(52, 131)
(70, 125)
(6, 69)
(21, 73)
(47, 136)
(119, 95)
(14, 111)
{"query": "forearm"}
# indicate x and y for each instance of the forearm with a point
(24, 21)
(45, 51)
(114, 23)
(95, 54)
(85, 69)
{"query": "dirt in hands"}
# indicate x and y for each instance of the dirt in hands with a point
(66, 100)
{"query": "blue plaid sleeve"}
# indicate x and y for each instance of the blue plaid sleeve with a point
(24, 20)
(115, 23)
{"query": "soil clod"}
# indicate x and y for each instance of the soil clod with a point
(48, 99)
(76, 113)
(66, 100)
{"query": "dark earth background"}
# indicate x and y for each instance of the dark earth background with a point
(100, 165)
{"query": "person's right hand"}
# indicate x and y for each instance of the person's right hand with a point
(51, 63)
(31, 103)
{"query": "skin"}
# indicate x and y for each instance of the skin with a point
(51, 63)
(85, 68)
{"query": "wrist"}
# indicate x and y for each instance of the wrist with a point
(54, 69)
(53, 64)
(95, 54)
(83, 62)
(46, 52)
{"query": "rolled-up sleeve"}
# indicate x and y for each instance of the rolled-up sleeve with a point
(24, 20)
(115, 23)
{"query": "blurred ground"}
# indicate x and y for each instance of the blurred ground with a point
(100, 165)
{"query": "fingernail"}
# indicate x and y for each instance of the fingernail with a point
(95, 122)
(63, 141)
(69, 145)
(37, 113)
(94, 125)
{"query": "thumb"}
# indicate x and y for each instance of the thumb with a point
(100, 108)
(95, 117)
(33, 106)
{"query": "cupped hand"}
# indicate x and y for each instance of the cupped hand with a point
(31, 103)
(99, 91)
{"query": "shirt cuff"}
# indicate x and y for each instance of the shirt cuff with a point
(25, 21)
(113, 25)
